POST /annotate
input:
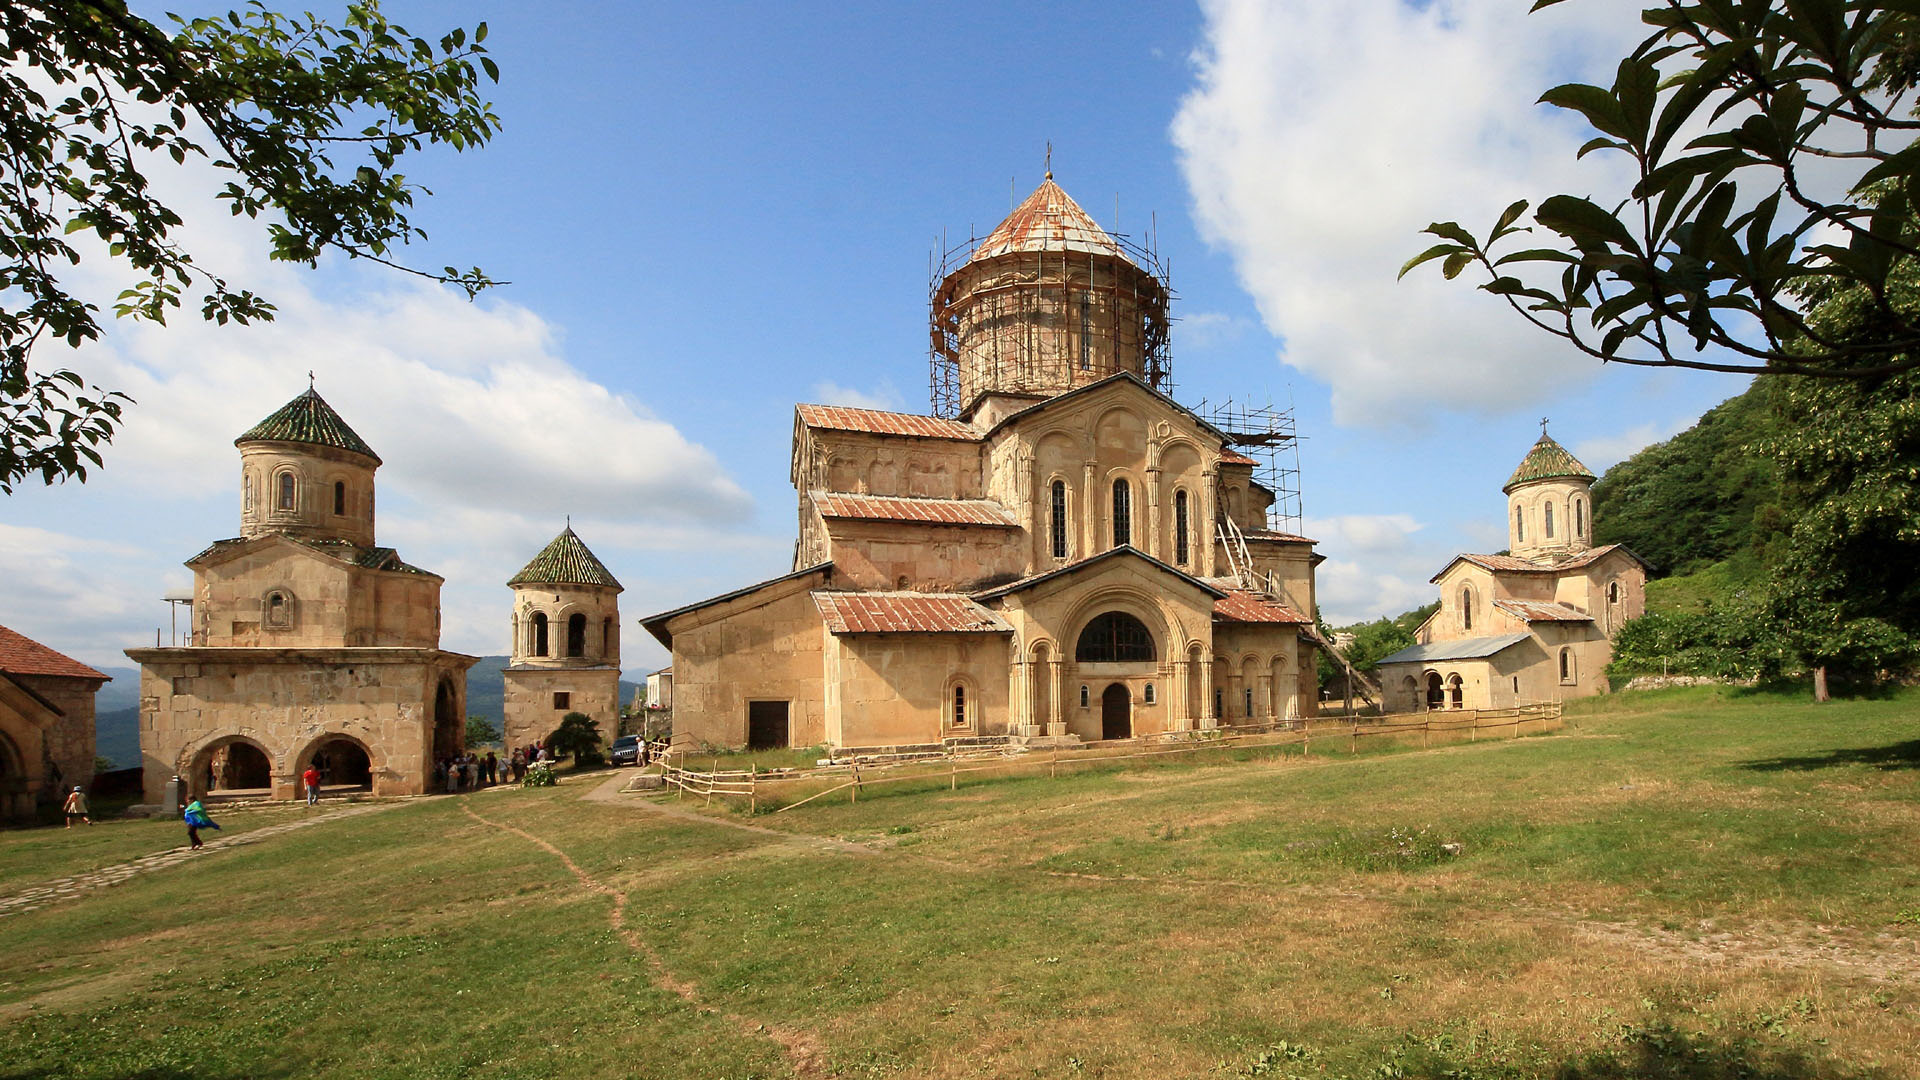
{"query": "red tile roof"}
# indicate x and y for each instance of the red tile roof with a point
(1515, 564)
(1234, 457)
(1542, 611)
(842, 504)
(1278, 537)
(905, 613)
(21, 655)
(1049, 220)
(875, 422)
(1245, 607)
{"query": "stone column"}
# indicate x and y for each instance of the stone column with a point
(1208, 529)
(1089, 515)
(1208, 721)
(1056, 689)
(1152, 546)
(1263, 694)
(1019, 705)
(1178, 707)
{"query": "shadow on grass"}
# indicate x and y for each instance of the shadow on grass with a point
(1903, 755)
(1663, 1052)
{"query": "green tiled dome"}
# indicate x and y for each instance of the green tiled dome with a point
(566, 561)
(1548, 460)
(308, 419)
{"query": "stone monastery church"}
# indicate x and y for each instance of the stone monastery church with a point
(1061, 552)
(1535, 624)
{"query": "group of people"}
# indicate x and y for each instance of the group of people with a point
(468, 771)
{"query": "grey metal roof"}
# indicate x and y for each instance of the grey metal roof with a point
(1473, 648)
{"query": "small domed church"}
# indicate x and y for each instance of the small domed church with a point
(311, 645)
(1535, 623)
(1059, 552)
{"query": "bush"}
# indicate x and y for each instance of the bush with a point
(579, 737)
(539, 774)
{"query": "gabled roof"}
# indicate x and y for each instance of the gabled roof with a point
(1235, 457)
(1512, 564)
(843, 504)
(21, 655)
(565, 561)
(1241, 606)
(1111, 553)
(657, 624)
(308, 419)
(1542, 611)
(1548, 460)
(1049, 220)
(1273, 536)
(1474, 648)
(370, 558)
(906, 613)
(1095, 387)
(876, 422)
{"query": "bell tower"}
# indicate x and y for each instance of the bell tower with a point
(566, 643)
(305, 473)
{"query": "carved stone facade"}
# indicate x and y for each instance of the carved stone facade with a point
(1050, 562)
(1536, 624)
(566, 643)
(310, 644)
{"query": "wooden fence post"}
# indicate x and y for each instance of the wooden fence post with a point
(1053, 766)
(853, 793)
(1306, 739)
(753, 791)
(953, 777)
(1353, 740)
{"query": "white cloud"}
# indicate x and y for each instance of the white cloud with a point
(1320, 138)
(1602, 452)
(1200, 331)
(883, 397)
(1383, 568)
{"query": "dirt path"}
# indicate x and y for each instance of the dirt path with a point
(610, 792)
(803, 1050)
(63, 889)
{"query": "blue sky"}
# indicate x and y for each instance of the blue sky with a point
(709, 212)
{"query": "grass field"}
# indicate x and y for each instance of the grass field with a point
(1687, 884)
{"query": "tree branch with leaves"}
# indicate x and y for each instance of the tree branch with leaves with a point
(1703, 263)
(307, 121)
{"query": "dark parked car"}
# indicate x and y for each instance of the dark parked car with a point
(626, 750)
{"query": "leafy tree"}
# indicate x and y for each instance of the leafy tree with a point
(578, 736)
(481, 732)
(304, 120)
(1723, 233)
(1371, 641)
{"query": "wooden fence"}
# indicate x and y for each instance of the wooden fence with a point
(753, 785)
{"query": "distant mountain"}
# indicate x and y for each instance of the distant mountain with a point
(116, 727)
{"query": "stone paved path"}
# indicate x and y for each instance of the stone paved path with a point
(63, 889)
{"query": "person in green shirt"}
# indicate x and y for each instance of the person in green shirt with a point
(196, 818)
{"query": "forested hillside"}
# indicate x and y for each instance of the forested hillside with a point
(1706, 495)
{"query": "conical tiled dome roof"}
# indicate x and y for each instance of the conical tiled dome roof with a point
(1048, 221)
(1548, 460)
(308, 419)
(566, 561)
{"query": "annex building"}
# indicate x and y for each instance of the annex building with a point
(46, 724)
(1059, 550)
(1531, 625)
(310, 643)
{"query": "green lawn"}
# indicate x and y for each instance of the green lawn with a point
(1691, 883)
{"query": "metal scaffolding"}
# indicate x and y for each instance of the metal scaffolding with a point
(1267, 434)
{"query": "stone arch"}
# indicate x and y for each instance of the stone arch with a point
(279, 609)
(338, 768)
(539, 634)
(576, 635)
(1196, 682)
(1456, 691)
(1249, 685)
(1436, 691)
(1116, 636)
(16, 782)
(449, 726)
(227, 762)
(1466, 607)
(1120, 434)
(1169, 636)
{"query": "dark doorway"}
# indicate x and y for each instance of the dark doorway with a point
(1116, 713)
(1436, 694)
(343, 762)
(767, 725)
(449, 726)
(576, 635)
(234, 766)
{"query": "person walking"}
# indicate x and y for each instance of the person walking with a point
(311, 778)
(195, 815)
(76, 807)
(492, 769)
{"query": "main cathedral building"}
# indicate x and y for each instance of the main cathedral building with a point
(1062, 552)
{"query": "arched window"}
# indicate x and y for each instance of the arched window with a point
(959, 706)
(1466, 608)
(1115, 637)
(1122, 513)
(1086, 336)
(1613, 592)
(1456, 691)
(1148, 698)
(339, 498)
(246, 492)
(1566, 665)
(279, 609)
(576, 634)
(1580, 519)
(1249, 693)
(1519, 525)
(1086, 696)
(1057, 518)
(285, 501)
(538, 630)
(1547, 510)
(1181, 550)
